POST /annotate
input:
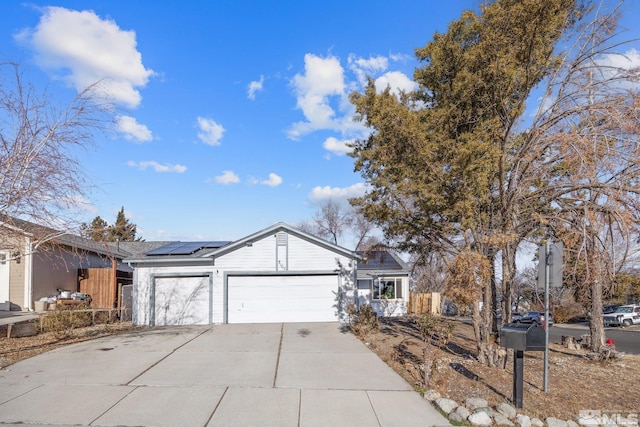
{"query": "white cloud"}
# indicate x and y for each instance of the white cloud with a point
(157, 167)
(336, 146)
(133, 130)
(255, 86)
(367, 67)
(626, 61)
(82, 204)
(210, 131)
(337, 193)
(323, 78)
(400, 57)
(615, 66)
(227, 177)
(396, 81)
(273, 180)
(88, 49)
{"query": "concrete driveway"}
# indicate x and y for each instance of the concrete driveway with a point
(309, 374)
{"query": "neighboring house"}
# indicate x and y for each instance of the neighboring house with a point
(279, 274)
(383, 282)
(36, 261)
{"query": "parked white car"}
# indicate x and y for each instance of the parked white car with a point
(625, 315)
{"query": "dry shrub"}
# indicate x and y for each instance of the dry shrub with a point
(568, 313)
(62, 321)
(363, 320)
(104, 317)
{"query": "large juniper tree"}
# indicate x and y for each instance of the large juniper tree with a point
(451, 168)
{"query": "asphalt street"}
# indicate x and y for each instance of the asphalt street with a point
(627, 339)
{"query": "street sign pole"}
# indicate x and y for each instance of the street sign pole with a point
(546, 318)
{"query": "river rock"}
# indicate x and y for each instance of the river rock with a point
(555, 422)
(506, 410)
(463, 411)
(456, 418)
(523, 421)
(431, 395)
(474, 403)
(480, 419)
(501, 420)
(446, 405)
(536, 422)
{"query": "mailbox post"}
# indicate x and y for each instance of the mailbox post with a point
(521, 338)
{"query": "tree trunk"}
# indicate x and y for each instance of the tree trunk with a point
(488, 317)
(476, 321)
(508, 277)
(596, 325)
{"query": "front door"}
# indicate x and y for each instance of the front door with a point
(4, 280)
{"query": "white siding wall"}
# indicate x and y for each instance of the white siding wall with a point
(390, 308)
(260, 257)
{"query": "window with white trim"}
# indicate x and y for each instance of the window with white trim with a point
(387, 288)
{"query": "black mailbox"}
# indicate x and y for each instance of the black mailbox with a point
(522, 337)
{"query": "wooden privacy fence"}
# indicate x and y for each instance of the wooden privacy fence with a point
(424, 303)
(103, 284)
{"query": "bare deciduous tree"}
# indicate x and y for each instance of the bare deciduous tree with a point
(332, 221)
(41, 179)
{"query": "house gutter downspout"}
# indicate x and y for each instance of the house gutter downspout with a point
(134, 294)
(356, 300)
(28, 274)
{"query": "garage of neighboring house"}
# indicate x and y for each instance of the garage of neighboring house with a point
(279, 274)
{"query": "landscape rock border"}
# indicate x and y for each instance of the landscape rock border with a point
(476, 412)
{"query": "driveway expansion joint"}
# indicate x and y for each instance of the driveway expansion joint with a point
(275, 375)
(166, 356)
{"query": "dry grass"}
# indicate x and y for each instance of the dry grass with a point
(575, 383)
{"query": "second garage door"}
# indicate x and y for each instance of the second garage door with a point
(270, 299)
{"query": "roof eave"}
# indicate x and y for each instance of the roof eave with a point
(281, 226)
(167, 260)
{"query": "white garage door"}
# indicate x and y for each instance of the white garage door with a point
(181, 301)
(270, 299)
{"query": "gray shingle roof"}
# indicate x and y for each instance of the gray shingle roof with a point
(119, 250)
(381, 260)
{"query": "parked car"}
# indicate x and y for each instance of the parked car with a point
(514, 316)
(625, 315)
(608, 309)
(536, 317)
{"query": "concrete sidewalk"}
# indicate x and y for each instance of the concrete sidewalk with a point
(228, 375)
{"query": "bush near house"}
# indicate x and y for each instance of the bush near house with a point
(363, 320)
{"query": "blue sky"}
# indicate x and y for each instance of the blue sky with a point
(234, 113)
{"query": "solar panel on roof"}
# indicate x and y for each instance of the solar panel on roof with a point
(185, 248)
